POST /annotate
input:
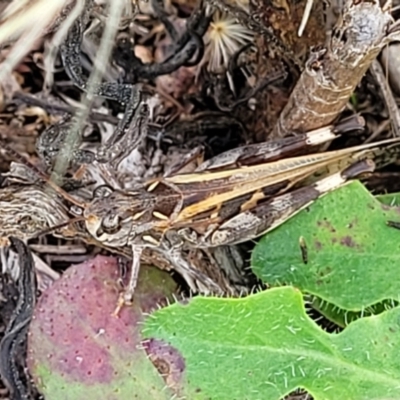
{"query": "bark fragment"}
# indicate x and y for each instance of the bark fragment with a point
(333, 72)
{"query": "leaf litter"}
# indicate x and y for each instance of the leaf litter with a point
(216, 100)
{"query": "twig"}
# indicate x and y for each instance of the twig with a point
(31, 100)
(381, 127)
(394, 114)
(30, 24)
(306, 16)
(52, 49)
(105, 49)
(59, 249)
(333, 72)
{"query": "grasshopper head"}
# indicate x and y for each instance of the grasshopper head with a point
(120, 218)
(107, 221)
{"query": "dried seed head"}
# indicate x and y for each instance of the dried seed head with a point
(224, 38)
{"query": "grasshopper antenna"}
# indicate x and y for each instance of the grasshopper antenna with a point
(41, 175)
(59, 226)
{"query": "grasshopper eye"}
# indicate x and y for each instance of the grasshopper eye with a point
(102, 192)
(110, 224)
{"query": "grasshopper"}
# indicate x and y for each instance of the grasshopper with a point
(229, 199)
(220, 204)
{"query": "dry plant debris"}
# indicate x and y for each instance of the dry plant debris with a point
(144, 129)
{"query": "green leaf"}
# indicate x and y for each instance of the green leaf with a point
(354, 100)
(265, 346)
(391, 199)
(341, 317)
(353, 256)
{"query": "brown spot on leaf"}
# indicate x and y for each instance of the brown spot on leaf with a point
(348, 241)
(318, 245)
(168, 361)
(327, 225)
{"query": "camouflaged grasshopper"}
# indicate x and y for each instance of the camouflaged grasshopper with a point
(235, 197)
(229, 199)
